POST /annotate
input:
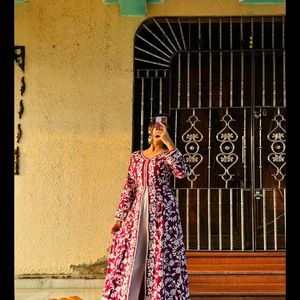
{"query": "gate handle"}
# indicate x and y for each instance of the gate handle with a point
(258, 194)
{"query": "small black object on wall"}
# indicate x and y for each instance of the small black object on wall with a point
(19, 57)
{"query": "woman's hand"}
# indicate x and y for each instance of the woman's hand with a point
(116, 227)
(165, 137)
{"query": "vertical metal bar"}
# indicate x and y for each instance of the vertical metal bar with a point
(284, 210)
(209, 218)
(187, 220)
(220, 219)
(264, 220)
(242, 65)
(160, 95)
(274, 63)
(244, 150)
(175, 130)
(209, 33)
(242, 78)
(177, 196)
(179, 80)
(231, 219)
(210, 66)
(284, 73)
(226, 182)
(199, 66)
(209, 148)
(175, 139)
(260, 150)
(263, 63)
(142, 116)
(199, 82)
(221, 64)
(198, 219)
(151, 97)
(192, 182)
(242, 220)
(283, 32)
(275, 219)
(188, 81)
(209, 179)
(231, 66)
(252, 144)
(189, 35)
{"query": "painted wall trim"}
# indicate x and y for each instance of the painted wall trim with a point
(46, 282)
(262, 1)
(116, 1)
(20, 1)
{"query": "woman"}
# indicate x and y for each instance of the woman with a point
(147, 256)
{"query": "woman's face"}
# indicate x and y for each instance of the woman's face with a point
(155, 132)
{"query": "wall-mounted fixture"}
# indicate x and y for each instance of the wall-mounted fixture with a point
(133, 7)
(20, 60)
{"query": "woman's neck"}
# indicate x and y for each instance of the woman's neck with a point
(156, 147)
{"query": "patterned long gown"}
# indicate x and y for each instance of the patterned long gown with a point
(150, 241)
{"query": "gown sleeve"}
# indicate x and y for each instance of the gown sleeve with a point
(180, 168)
(127, 195)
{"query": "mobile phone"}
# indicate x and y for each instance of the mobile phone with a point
(161, 119)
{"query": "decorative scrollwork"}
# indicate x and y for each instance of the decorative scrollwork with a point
(277, 138)
(192, 137)
(227, 158)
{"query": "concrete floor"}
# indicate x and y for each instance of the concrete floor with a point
(94, 294)
(57, 294)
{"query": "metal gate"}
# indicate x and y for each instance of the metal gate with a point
(222, 81)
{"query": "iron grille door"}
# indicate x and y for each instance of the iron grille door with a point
(222, 81)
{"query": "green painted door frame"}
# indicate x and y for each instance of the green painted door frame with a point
(133, 7)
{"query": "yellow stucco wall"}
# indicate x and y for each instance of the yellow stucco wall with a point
(77, 123)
